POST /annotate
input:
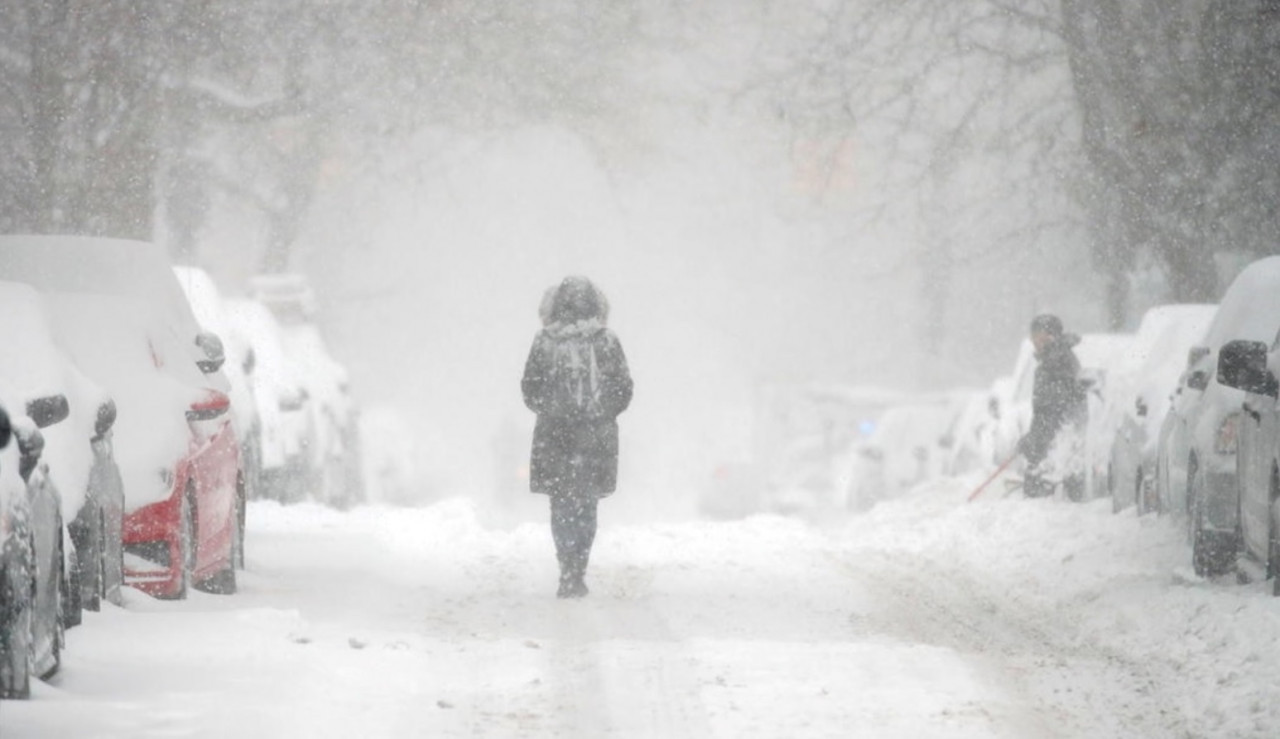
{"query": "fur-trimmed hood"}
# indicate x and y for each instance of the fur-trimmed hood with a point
(576, 301)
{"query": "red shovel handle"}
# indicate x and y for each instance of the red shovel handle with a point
(994, 475)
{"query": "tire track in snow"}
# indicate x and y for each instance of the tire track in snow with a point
(620, 668)
(1034, 653)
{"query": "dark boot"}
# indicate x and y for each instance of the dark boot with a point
(573, 527)
(572, 574)
(1034, 486)
(567, 577)
(578, 586)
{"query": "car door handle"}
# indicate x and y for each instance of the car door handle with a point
(1255, 415)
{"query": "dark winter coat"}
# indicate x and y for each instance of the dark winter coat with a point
(1057, 397)
(575, 451)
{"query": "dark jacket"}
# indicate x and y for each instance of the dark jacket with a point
(575, 451)
(1057, 398)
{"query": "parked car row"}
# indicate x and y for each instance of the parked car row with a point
(1219, 445)
(291, 405)
(1187, 423)
(128, 445)
(1183, 420)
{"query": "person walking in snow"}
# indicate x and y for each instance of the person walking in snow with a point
(1057, 404)
(577, 380)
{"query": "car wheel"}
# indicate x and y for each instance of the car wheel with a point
(1273, 555)
(70, 589)
(1212, 552)
(100, 564)
(237, 543)
(18, 583)
(187, 543)
(113, 562)
(224, 581)
(61, 616)
(88, 578)
(1189, 501)
(1144, 491)
(70, 584)
(1273, 535)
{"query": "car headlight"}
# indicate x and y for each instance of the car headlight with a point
(1225, 441)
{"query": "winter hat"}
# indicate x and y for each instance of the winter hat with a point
(1048, 323)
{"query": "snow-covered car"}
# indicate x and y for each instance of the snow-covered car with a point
(32, 550)
(119, 313)
(1191, 384)
(807, 442)
(210, 309)
(285, 428)
(1199, 445)
(335, 466)
(810, 476)
(1253, 368)
(78, 452)
(1138, 394)
(973, 435)
(906, 448)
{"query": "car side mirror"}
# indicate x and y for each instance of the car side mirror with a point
(30, 447)
(1198, 380)
(6, 429)
(1140, 407)
(211, 406)
(46, 411)
(105, 420)
(214, 354)
(1243, 365)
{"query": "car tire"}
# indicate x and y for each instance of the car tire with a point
(61, 616)
(1273, 555)
(237, 543)
(1213, 553)
(1273, 535)
(224, 581)
(17, 579)
(188, 542)
(100, 565)
(70, 593)
(90, 594)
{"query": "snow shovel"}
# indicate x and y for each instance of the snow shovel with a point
(1005, 465)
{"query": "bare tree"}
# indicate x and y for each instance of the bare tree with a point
(1171, 105)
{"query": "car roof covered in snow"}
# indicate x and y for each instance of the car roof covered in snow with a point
(1250, 307)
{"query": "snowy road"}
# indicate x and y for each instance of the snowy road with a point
(925, 618)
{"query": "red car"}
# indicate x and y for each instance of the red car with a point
(119, 312)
